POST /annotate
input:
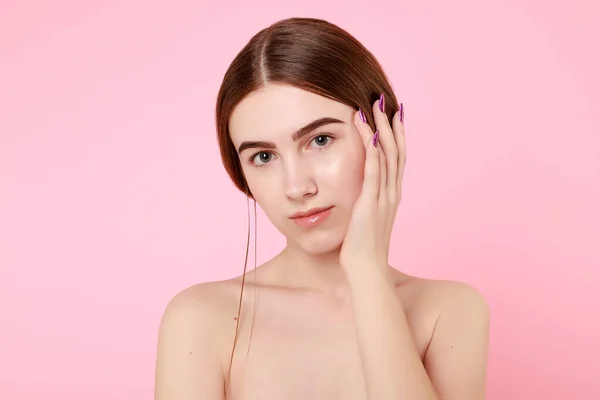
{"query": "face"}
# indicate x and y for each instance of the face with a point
(300, 153)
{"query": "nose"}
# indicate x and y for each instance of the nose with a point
(299, 182)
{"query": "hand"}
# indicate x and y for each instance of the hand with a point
(367, 240)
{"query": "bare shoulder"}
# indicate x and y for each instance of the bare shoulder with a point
(193, 333)
(208, 299)
(445, 295)
(456, 357)
(204, 309)
(196, 306)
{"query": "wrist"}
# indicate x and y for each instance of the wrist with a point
(371, 274)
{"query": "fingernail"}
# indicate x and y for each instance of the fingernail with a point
(382, 103)
(362, 116)
(376, 138)
(401, 112)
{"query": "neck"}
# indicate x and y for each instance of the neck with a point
(321, 272)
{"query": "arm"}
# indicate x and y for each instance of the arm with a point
(455, 364)
(392, 366)
(391, 362)
(456, 359)
(187, 366)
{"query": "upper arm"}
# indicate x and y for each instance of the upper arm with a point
(456, 360)
(187, 365)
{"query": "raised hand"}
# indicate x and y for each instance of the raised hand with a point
(367, 241)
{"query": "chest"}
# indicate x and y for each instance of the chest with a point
(304, 348)
(309, 353)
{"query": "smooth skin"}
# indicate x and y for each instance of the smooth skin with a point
(327, 318)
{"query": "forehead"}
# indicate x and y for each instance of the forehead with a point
(276, 110)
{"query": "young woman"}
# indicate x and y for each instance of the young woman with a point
(310, 129)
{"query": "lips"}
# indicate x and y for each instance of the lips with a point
(310, 212)
(312, 217)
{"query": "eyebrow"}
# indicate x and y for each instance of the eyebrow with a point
(299, 134)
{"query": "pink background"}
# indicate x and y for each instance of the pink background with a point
(113, 197)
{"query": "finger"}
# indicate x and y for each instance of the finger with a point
(364, 130)
(372, 169)
(388, 145)
(382, 186)
(398, 123)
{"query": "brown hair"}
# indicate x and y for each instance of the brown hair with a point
(307, 53)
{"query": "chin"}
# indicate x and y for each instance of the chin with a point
(318, 243)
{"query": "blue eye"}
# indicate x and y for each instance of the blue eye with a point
(264, 157)
(261, 158)
(321, 140)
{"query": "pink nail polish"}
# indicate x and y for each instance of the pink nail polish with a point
(401, 112)
(362, 116)
(382, 103)
(376, 138)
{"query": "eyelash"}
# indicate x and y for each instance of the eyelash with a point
(319, 148)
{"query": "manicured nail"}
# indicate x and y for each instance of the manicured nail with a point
(401, 112)
(382, 103)
(362, 116)
(376, 138)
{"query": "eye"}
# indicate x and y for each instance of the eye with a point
(261, 158)
(321, 140)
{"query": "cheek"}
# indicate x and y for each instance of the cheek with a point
(343, 173)
(261, 186)
(265, 188)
